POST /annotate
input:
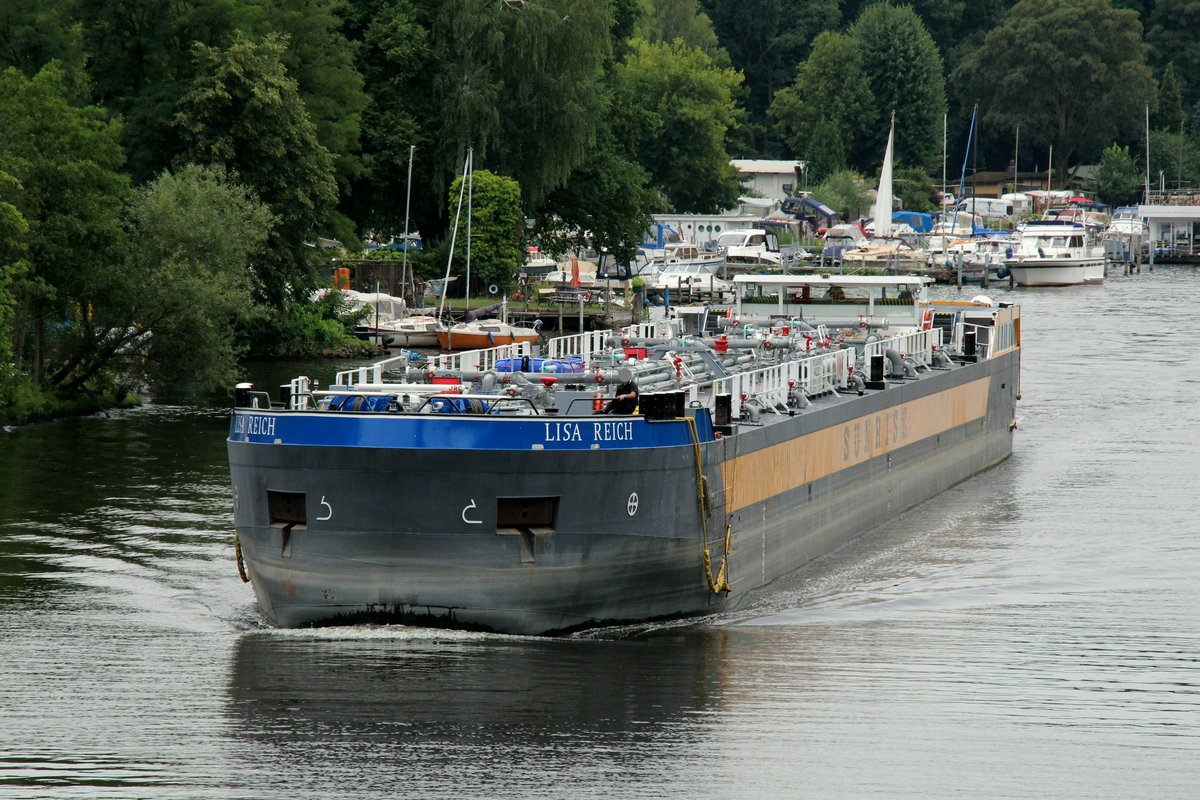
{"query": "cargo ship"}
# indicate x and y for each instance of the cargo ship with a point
(497, 489)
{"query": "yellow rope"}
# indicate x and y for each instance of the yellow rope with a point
(241, 565)
(721, 582)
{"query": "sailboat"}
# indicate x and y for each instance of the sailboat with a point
(474, 334)
(885, 249)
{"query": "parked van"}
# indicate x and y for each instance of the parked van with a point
(987, 207)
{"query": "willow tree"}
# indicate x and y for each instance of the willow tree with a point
(520, 83)
(1070, 74)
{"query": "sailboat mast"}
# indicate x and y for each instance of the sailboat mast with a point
(462, 189)
(1146, 196)
(470, 194)
(405, 278)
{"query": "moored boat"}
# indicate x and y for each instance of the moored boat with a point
(459, 494)
(1054, 253)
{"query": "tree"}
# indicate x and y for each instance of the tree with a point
(495, 229)
(67, 159)
(1117, 176)
(193, 235)
(244, 112)
(1074, 76)
(846, 193)
(33, 33)
(13, 230)
(606, 203)
(140, 65)
(395, 57)
(765, 40)
(825, 153)
(520, 83)
(1171, 36)
(1169, 114)
(904, 70)
(676, 112)
(668, 20)
(914, 187)
(1174, 159)
(830, 93)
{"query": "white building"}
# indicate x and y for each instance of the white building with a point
(774, 180)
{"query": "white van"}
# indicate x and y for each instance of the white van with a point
(987, 207)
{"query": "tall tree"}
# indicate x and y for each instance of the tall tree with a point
(33, 33)
(140, 64)
(495, 229)
(668, 20)
(1117, 177)
(519, 82)
(244, 112)
(1169, 114)
(606, 203)
(677, 111)
(831, 92)
(1074, 76)
(395, 58)
(1171, 35)
(13, 230)
(904, 70)
(193, 235)
(766, 39)
(67, 159)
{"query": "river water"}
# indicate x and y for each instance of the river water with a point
(1034, 632)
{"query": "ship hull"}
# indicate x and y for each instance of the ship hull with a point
(410, 532)
(1056, 272)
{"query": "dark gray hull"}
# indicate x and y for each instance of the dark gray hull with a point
(412, 534)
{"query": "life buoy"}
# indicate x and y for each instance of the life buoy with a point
(927, 320)
(597, 402)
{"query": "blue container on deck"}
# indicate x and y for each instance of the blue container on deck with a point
(551, 366)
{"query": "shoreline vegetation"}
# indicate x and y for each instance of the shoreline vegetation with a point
(167, 209)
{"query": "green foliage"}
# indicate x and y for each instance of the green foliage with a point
(1069, 73)
(1169, 115)
(605, 200)
(33, 33)
(1117, 177)
(519, 82)
(765, 40)
(1174, 159)
(677, 111)
(904, 69)
(13, 229)
(244, 113)
(1171, 28)
(914, 186)
(826, 152)
(302, 328)
(668, 20)
(495, 230)
(67, 160)
(193, 234)
(830, 107)
(846, 193)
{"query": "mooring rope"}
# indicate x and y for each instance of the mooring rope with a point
(241, 565)
(721, 582)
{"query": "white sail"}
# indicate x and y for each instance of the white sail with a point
(883, 200)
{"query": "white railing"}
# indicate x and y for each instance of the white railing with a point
(372, 373)
(479, 360)
(917, 345)
(578, 344)
(773, 386)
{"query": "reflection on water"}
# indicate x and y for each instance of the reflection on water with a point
(1030, 633)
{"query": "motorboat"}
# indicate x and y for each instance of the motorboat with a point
(1054, 253)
